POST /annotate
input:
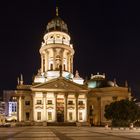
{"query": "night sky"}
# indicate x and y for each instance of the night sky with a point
(105, 35)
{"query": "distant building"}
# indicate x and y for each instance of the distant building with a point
(56, 94)
(2, 119)
(2, 108)
(10, 104)
(2, 112)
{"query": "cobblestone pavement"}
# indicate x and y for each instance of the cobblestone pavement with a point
(67, 133)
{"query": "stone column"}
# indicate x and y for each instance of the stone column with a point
(19, 109)
(62, 58)
(46, 61)
(44, 107)
(86, 107)
(33, 97)
(71, 64)
(68, 61)
(41, 63)
(54, 56)
(22, 108)
(76, 105)
(65, 107)
(99, 107)
(55, 105)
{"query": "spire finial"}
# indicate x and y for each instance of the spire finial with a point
(18, 80)
(57, 13)
(21, 79)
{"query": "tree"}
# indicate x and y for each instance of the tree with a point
(122, 112)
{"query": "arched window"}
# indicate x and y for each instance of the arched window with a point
(64, 67)
(51, 67)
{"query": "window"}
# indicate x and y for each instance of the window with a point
(70, 102)
(14, 108)
(51, 66)
(49, 115)
(49, 102)
(80, 103)
(70, 116)
(27, 102)
(38, 116)
(39, 102)
(27, 116)
(80, 116)
(64, 67)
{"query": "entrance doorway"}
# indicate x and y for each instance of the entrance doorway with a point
(60, 116)
(60, 109)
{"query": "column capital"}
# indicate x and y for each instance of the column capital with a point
(66, 95)
(32, 95)
(55, 94)
(76, 95)
(44, 95)
(22, 97)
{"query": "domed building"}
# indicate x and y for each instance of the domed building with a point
(56, 95)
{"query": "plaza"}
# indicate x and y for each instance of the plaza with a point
(67, 133)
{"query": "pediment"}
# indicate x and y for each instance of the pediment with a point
(59, 84)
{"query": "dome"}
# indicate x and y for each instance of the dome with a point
(57, 24)
(100, 83)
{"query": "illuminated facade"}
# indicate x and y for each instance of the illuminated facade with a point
(57, 95)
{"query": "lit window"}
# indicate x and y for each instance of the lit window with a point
(70, 102)
(80, 116)
(49, 102)
(39, 102)
(70, 116)
(49, 115)
(38, 116)
(80, 103)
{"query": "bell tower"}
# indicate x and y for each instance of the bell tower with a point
(56, 51)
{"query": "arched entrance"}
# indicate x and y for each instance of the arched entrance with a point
(60, 109)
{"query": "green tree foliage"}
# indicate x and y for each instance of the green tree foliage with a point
(122, 112)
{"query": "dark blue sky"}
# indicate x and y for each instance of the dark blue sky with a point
(105, 34)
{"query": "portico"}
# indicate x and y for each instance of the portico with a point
(59, 105)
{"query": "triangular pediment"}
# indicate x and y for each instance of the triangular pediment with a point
(59, 84)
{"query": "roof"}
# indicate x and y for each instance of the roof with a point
(60, 84)
(57, 24)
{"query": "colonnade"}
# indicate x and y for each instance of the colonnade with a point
(44, 107)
